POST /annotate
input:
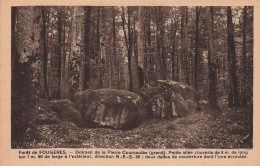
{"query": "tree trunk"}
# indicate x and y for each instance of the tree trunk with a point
(63, 57)
(128, 46)
(186, 58)
(244, 100)
(158, 62)
(59, 51)
(162, 46)
(116, 67)
(102, 50)
(15, 56)
(72, 52)
(196, 52)
(232, 54)
(174, 30)
(140, 46)
(159, 74)
(182, 55)
(98, 45)
(148, 44)
(86, 73)
(211, 61)
(45, 54)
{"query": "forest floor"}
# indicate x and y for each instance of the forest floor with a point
(231, 128)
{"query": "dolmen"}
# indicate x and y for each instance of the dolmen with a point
(117, 109)
(165, 98)
(120, 109)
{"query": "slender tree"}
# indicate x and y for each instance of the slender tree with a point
(162, 43)
(233, 96)
(244, 92)
(15, 57)
(86, 73)
(196, 50)
(149, 44)
(140, 47)
(59, 52)
(63, 54)
(45, 53)
(128, 43)
(183, 45)
(173, 46)
(116, 69)
(211, 61)
(186, 48)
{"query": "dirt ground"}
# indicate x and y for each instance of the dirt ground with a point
(228, 128)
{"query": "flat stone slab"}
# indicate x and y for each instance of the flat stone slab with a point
(118, 109)
(165, 98)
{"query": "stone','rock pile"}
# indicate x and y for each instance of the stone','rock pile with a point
(66, 110)
(118, 109)
(165, 98)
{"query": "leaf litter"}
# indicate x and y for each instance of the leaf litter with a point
(230, 129)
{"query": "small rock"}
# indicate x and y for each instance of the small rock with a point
(66, 110)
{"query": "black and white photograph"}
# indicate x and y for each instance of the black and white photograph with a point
(132, 77)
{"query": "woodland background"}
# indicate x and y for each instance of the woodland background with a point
(60, 50)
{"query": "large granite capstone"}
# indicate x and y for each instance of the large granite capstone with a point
(118, 109)
(165, 98)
